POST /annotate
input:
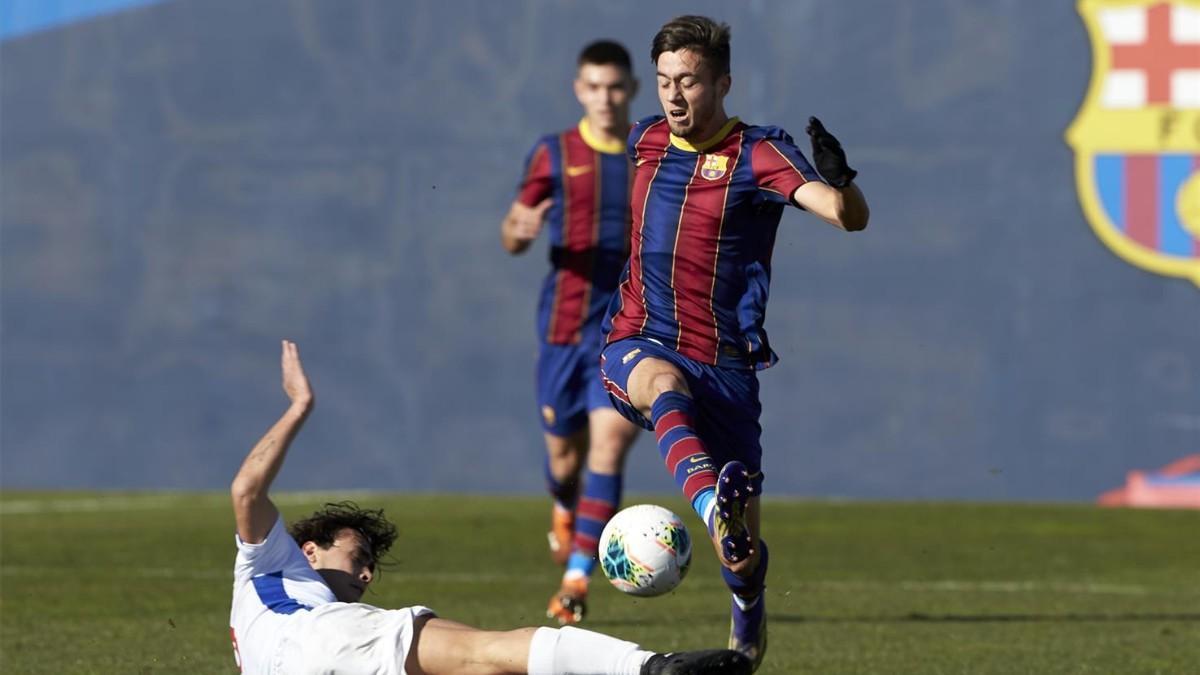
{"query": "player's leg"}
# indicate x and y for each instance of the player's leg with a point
(564, 462)
(442, 646)
(564, 423)
(747, 583)
(659, 389)
(648, 385)
(729, 420)
(611, 437)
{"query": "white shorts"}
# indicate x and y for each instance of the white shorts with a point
(348, 639)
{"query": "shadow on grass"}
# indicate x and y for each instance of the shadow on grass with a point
(922, 617)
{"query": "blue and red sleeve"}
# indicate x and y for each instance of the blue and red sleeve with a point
(780, 167)
(538, 181)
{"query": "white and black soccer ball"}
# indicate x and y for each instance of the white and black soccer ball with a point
(645, 550)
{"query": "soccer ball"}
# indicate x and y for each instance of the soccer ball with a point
(645, 550)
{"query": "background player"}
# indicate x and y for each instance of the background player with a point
(686, 332)
(577, 182)
(295, 598)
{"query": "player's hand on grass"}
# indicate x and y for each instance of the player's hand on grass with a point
(295, 382)
(525, 222)
(828, 155)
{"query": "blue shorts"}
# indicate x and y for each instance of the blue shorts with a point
(727, 407)
(568, 387)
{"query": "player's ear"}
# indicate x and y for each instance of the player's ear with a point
(579, 89)
(724, 83)
(633, 86)
(310, 551)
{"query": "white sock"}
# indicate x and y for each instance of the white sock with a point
(744, 604)
(574, 651)
(710, 516)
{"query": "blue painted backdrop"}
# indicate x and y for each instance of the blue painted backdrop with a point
(182, 184)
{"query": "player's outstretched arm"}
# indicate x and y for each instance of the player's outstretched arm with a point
(252, 508)
(838, 200)
(522, 225)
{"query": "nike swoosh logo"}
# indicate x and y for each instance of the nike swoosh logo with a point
(697, 459)
(573, 171)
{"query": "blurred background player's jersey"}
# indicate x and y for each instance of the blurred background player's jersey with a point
(704, 222)
(588, 225)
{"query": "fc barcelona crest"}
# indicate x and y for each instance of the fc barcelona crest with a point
(1137, 135)
(714, 166)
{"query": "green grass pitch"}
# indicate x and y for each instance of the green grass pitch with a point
(140, 583)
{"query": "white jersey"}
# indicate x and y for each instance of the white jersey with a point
(272, 584)
(286, 621)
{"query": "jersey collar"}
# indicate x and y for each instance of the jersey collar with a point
(706, 144)
(614, 147)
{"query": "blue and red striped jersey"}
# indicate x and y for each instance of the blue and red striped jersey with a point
(704, 222)
(588, 224)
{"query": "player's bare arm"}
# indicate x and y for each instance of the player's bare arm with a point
(838, 200)
(522, 225)
(252, 508)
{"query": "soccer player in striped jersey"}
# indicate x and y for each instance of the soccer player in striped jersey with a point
(576, 186)
(296, 594)
(685, 332)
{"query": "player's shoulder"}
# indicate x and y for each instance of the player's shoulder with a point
(543, 147)
(649, 132)
(647, 122)
(547, 139)
(765, 132)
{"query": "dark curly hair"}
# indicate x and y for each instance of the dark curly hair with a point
(708, 38)
(322, 527)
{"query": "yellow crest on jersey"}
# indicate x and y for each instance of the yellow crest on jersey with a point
(1137, 135)
(714, 166)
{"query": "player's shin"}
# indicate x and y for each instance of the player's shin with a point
(748, 588)
(684, 453)
(601, 497)
(565, 491)
(554, 651)
(748, 612)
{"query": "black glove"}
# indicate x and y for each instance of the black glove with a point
(828, 155)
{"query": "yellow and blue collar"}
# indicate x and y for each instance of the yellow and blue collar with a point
(706, 144)
(613, 147)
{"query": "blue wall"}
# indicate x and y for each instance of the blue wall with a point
(185, 183)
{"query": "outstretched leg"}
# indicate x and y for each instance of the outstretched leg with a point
(446, 647)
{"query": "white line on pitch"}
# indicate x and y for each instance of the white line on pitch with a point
(157, 502)
(943, 586)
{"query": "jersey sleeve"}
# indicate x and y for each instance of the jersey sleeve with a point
(278, 552)
(537, 183)
(637, 134)
(780, 167)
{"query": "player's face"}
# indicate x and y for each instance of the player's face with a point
(604, 91)
(347, 566)
(691, 94)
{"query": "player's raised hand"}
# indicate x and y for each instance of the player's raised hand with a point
(526, 221)
(828, 155)
(295, 382)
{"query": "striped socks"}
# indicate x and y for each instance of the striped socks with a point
(601, 497)
(684, 454)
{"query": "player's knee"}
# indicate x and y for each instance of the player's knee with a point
(665, 381)
(607, 456)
